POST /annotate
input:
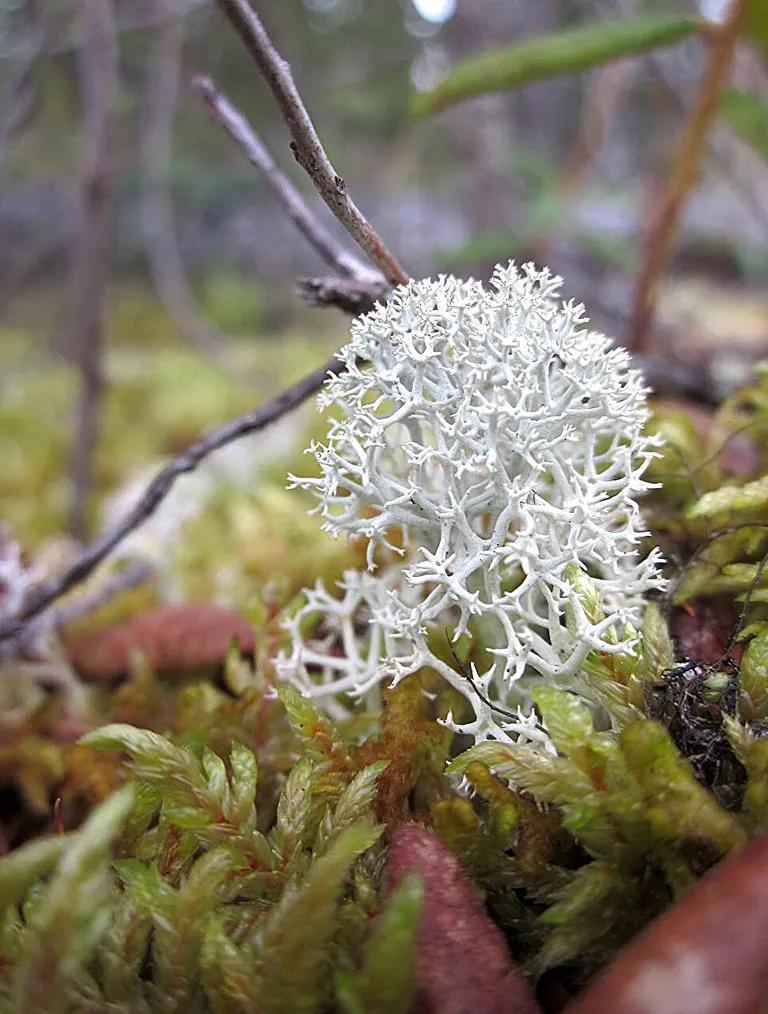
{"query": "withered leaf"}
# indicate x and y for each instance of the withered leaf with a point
(706, 953)
(178, 637)
(463, 965)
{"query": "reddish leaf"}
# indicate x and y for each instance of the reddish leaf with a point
(463, 964)
(179, 637)
(708, 954)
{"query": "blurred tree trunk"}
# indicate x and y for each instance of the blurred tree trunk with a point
(17, 92)
(98, 75)
(159, 228)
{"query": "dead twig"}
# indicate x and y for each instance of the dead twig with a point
(351, 295)
(133, 574)
(658, 240)
(252, 422)
(306, 144)
(297, 209)
(312, 156)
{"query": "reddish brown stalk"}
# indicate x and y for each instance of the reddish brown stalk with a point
(659, 238)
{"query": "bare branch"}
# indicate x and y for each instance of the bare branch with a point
(306, 144)
(90, 256)
(133, 574)
(299, 212)
(350, 295)
(252, 422)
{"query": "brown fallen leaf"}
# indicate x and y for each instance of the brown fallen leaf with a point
(178, 637)
(708, 954)
(463, 964)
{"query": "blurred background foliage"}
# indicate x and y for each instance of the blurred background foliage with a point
(565, 166)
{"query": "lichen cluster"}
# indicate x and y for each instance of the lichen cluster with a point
(496, 444)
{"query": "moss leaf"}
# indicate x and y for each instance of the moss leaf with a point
(298, 932)
(69, 921)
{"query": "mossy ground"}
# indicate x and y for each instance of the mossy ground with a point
(215, 834)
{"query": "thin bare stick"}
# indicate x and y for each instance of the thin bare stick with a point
(133, 574)
(658, 240)
(306, 144)
(245, 137)
(252, 422)
(90, 257)
(351, 295)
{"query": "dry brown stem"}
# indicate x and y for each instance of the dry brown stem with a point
(306, 145)
(245, 137)
(658, 239)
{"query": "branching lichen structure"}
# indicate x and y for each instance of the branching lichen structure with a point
(493, 445)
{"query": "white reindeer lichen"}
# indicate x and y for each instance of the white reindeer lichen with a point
(499, 441)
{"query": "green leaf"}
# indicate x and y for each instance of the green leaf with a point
(122, 956)
(588, 596)
(706, 574)
(298, 932)
(386, 981)
(528, 768)
(679, 464)
(216, 774)
(146, 886)
(72, 916)
(177, 940)
(676, 805)
(747, 116)
(229, 980)
(564, 52)
(566, 718)
(22, 867)
(294, 810)
(245, 775)
(155, 760)
(195, 794)
(322, 741)
(727, 501)
(753, 754)
(753, 680)
(657, 650)
(356, 801)
(505, 809)
(595, 901)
